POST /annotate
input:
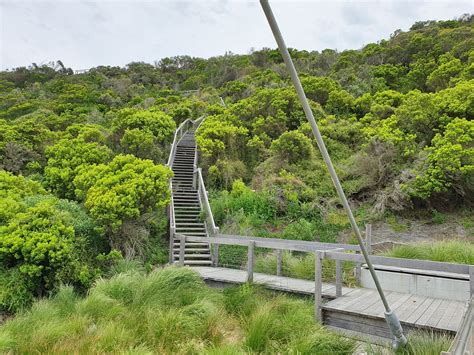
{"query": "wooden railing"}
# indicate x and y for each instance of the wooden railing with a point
(213, 230)
(337, 252)
(463, 343)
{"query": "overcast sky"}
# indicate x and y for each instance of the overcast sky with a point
(84, 34)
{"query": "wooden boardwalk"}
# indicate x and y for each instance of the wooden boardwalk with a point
(278, 283)
(357, 309)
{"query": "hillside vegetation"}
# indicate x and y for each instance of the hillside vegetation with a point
(83, 182)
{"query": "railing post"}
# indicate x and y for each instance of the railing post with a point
(279, 261)
(318, 285)
(471, 279)
(172, 231)
(368, 237)
(338, 278)
(250, 261)
(215, 257)
(358, 270)
(182, 246)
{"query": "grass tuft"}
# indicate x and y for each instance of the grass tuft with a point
(451, 251)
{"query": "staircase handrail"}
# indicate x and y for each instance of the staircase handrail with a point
(178, 134)
(205, 201)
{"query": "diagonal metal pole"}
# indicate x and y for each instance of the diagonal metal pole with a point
(390, 316)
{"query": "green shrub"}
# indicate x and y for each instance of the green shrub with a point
(293, 146)
(300, 230)
(438, 217)
(260, 205)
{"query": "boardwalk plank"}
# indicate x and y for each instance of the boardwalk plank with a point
(420, 310)
(439, 314)
(425, 317)
(409, 306)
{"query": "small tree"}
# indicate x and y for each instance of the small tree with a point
(65, 160)
(123, 190)
(293, 146)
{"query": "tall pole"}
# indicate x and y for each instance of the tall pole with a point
(390, 316)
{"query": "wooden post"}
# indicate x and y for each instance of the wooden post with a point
(318, 285)
(471, 279)
(171, 253)
(250, 261)
(358, 270)
(216, 255)
(182, 245)
(368, 237)
(279, 261)
(338, 278)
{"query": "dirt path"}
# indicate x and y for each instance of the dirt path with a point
(406, 231)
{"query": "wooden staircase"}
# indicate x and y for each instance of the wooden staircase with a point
(187, 205)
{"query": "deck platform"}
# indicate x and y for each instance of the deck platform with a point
(358, 309)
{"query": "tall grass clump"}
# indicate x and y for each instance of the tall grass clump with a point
(452, 251)
(426, 343)
(275, 323)
(168, 311)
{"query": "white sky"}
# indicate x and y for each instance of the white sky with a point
(84, 34)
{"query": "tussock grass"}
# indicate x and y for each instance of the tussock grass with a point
(169, 311)
(452, 251)
(279, 324)
(426, 343)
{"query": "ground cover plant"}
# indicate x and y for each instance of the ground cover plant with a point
(169, 311)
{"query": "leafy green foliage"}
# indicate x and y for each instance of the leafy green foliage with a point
(449, 161)
(157, 123)
(293, 146)
(124, 189)
(66, 158)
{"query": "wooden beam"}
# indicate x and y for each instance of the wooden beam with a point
(182, 248)
(284, 244)
(215, 252)
(404, 263)
(338, 278)
(279, 261)
(318, 285)
(250, 261)
(368, 238)
(471, 279)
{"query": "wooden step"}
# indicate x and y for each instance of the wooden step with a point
(194, 256)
